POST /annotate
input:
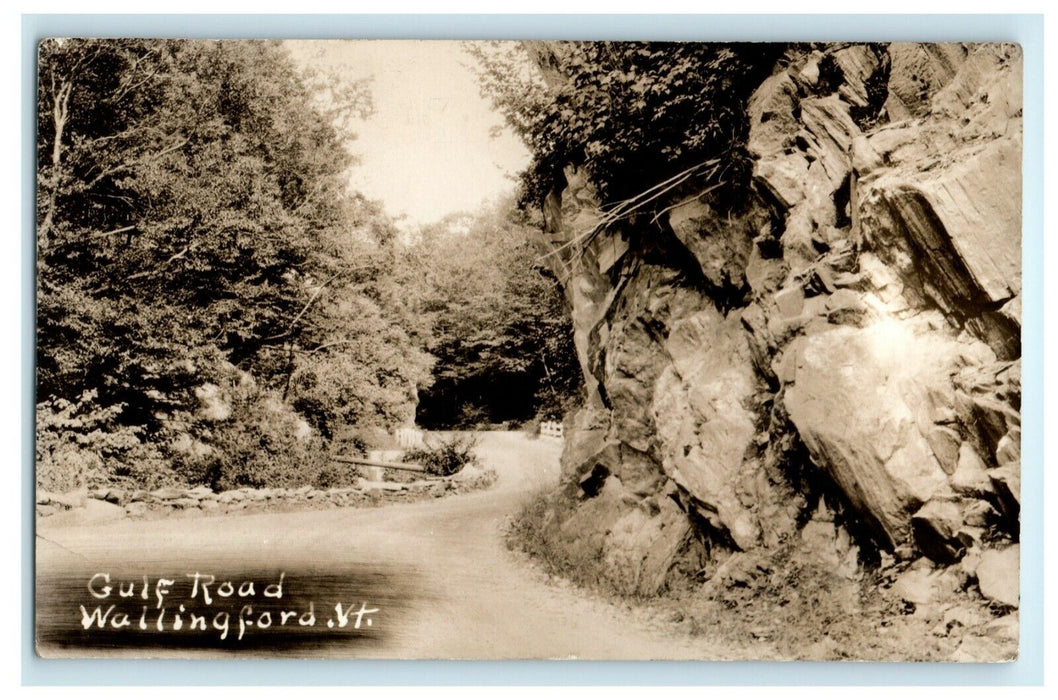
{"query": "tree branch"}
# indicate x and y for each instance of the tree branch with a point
(161, 268)
(129, 165)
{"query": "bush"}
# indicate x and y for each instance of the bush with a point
(245, 435)
(80, 444)
(336, 476)
(446, 458)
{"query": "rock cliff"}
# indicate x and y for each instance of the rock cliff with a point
(832, 365)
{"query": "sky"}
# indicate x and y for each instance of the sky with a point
(426, 151)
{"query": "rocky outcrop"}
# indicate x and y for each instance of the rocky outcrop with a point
(851, 335)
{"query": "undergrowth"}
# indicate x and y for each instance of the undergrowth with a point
(782, 604)
(446, 457)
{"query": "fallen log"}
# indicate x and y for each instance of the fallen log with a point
(376, 463)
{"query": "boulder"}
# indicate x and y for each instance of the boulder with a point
(858, 63)
(974, 649)
(980, 514)
(640, 546)
(936, 527)
(921, 584)
(985, 95)
(721, 245)
(945, 444)
(93, 512)
(987, 419)
(110, 495)
(969, 216)
(871, 448)
(168, 493)
(764, 274)
(960, 618)
(917, 72)
(846, 307)
(1005, 627)
(71, 499)
(998, 575)
(1006, 482)
(790, 301)
(772, 130)
(703, 423)
(971, 476)
(1008, 450)
(829, 131)
(831, 545)
(960, 225)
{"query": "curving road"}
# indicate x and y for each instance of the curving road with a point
(438, 572)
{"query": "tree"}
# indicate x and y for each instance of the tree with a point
(629, 112)
(499, 327)
(195, 227)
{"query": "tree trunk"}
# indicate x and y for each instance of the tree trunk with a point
(60, 114)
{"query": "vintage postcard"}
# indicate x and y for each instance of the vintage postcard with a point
(528, 350)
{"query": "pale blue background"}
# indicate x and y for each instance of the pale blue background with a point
(1025, 29)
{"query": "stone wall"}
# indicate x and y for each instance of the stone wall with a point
(201, 500)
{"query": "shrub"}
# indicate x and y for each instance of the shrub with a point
(336, 476)
(80, 444)
(245, 435)
(447, 457)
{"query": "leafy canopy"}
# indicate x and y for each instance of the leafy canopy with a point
(631, 113)
(195, 226)
(499, 327)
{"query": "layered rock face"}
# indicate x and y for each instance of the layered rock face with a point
(834, 365)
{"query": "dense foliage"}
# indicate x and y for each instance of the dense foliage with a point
(499, 327)
(631, 113)
(195, 230)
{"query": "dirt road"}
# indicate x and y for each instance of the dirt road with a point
(438, 572)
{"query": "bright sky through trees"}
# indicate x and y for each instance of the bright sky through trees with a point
(426, 151)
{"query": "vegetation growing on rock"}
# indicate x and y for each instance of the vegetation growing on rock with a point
(630, 113)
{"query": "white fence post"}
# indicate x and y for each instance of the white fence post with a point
(552, 429)
(409, 438)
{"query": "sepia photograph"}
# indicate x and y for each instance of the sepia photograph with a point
(599, 350)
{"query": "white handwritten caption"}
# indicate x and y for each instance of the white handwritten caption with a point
(164, 618)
